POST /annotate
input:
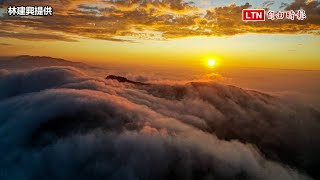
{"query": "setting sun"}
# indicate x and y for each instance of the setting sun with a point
(211, 62)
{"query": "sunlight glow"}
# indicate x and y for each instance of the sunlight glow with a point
(211, 62)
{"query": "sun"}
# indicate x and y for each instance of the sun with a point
(211, 62)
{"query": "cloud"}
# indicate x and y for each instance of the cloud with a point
(35, 36)
(311, 7)
(116, 20)
(5, 44)
(59, 123)
(4, 72)
(267, 4)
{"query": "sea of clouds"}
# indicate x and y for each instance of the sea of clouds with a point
(59, 123)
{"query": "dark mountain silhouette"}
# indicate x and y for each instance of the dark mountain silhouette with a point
(28, 62)
(124, 80)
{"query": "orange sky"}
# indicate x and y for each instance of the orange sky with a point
(164, 34)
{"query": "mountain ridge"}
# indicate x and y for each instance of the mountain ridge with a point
(23, 62)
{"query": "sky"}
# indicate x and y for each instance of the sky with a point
(165, 33)
(223, 121)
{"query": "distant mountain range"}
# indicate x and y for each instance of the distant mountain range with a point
(25, 62)
(29, 62)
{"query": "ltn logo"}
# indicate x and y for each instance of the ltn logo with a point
(253, 15)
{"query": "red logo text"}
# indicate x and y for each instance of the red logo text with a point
(253, 15)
